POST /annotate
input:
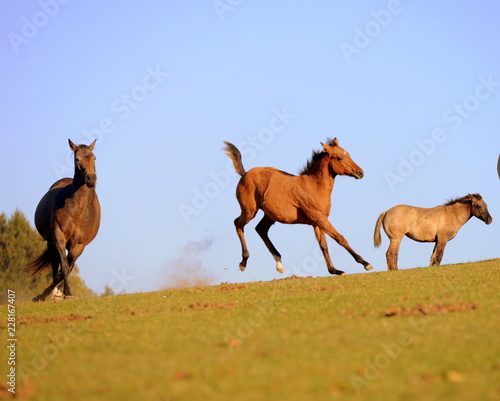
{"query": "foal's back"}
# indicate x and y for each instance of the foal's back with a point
(418, 223)
(270, 189)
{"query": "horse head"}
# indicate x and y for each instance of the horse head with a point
(84, 163)
(479, 208)
(340, 160)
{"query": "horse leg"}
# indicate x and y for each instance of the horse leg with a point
(73, 254)
(392, 254)
(262, 229)
(321, 238)
(437, 253)
(61, 249)
(56, 278)
(240, 223)
(327, 227)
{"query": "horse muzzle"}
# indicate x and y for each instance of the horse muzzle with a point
(358, 174)
(90, 180)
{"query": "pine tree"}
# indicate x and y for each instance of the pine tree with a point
(19, 245)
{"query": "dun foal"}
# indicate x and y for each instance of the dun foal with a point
(68, 218)
(439, 224)
(289, 199)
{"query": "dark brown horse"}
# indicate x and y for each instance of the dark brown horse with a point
(439, 224)
(68, 218)
(289, 199)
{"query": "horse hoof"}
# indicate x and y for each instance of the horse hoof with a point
(242, 267)
(57, 295)
(280, 267)
(68, 297)
(368, 267)
(37, 299)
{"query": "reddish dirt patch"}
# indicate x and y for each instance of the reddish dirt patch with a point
(431, 309)
(65, 318)
(294, 277)
(230, 287)
(181, 375)
(212, 305)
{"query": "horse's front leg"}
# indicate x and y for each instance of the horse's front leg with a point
(327, 227)
(60, 242)
(437, 253)
(321, 238)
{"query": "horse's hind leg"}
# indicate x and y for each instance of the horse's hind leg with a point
(392, 254)
(320, 236)
(262, 229)
(57, 278)
(240, 223)
(437, 253)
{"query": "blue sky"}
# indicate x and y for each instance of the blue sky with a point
(410, 88)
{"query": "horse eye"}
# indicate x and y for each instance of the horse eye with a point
(340, 158)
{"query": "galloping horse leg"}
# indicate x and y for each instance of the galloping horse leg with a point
(73, 254)
(321, 238)
(392, 254)
(65, 269)
(262, 229)
(240, 223)
(56, 278)
(437, 253)
(327, 227)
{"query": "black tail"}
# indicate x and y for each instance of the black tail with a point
(43, 262)
(235, 155)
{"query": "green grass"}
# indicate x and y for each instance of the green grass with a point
(294, 339)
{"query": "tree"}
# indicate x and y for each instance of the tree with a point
(108, 291)
(19, 245)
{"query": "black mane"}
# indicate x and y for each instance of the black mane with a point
(315, 157)
(463, 199)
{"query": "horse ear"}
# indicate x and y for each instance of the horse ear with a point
(91, 146)
(325, 147)
(335, 142)
(72, 146)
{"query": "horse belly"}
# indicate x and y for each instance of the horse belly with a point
(422, 231)
(283, 213)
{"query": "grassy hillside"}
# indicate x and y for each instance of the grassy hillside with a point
(422, 334)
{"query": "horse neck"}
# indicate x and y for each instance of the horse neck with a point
(321, 175)
(80, 191)
(462, 212)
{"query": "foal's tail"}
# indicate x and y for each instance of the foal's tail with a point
(235, 155)
(43, 262)
(377, 238)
